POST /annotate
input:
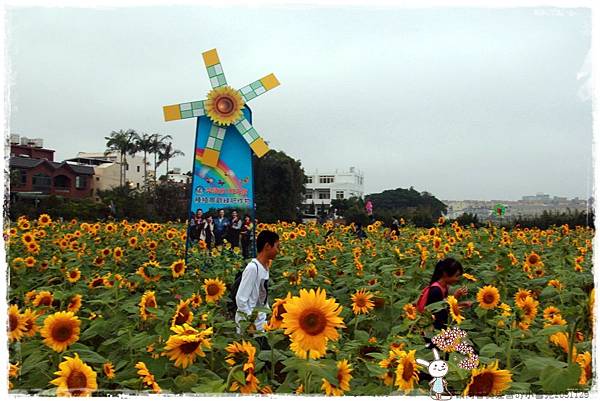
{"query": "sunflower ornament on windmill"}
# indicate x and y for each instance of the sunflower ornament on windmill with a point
(225, 141)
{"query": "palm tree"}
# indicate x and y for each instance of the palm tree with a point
(122, 142)
(158, 143)
(167, 153)
(144, 144)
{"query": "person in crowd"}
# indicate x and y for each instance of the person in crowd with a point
(246, 236)
(208, 232)
(221, 227)
(234, 230)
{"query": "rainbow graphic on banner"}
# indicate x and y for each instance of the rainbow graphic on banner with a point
(222, 172)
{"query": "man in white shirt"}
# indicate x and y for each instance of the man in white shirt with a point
(253, 288)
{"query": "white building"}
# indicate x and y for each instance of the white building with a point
(176, 176)
(322, 187)
(107, 169)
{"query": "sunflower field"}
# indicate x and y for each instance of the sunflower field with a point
(112, 308)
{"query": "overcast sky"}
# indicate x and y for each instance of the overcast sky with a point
(465, 103)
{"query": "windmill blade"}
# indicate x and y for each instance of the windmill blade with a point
(213, 145)
(214, 69)
(184, 110)
(250, 135)
(259, 87)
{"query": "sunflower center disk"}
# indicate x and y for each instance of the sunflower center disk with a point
(189, 348)
(14, 322)
(482, 384)
(212, 290)
(62, 333)
(225, 105)
(76, 382)
(313, 323)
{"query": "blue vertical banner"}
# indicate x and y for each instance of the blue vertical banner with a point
(230, 183)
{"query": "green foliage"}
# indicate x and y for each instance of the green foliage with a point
(278, 187)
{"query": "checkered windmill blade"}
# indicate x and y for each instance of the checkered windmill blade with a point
(223, 106)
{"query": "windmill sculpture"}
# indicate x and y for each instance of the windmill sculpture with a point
(224, 107)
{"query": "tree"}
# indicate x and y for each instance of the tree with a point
(122, 142)
(278, 187)
(158, 143)
(167, 153)
(144, 144)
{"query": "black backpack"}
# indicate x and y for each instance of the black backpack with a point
(235, 286)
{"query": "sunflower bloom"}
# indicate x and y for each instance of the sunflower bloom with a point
(488, 381)
(236, 352)
(74, 303)
(73, 275)
(585, 362)
(75, 378)
(407, 371)
(109, 370)
(361, 302)
(183, 314)
(343, 375)
(311, 320)
(43, 298)
(178, 268)
(60, 330)
(488, 297)
(29, 318)
(521, 295)
(410, 312)
(187, 344)
(278, 309)
(214, 289)
(454, 309)
(16, 324)
(147, 377)
(148, 301)
(529, 307)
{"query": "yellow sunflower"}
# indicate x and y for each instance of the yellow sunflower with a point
(361, 302)
(16, 324)
(278, 309)
(109, 370)
(73, 275)
(585, 362)
(311, 320)
(488, 381)
(187, 344)
(224, 105)
(29, 317)
(550, 312)
(406, 371)
(488, 297)
(74, 303)
(521, 295)
(529, 308)
(236, 352)
(75, 378)
(147, 377)
(343, 376)
(118, 253)
(43, 298)
(44, 220)
(410, 311)
(148, 301)
(60, 330)
(178, 268)
(214, 289)
(454, 309)
(183, 314)
(195, 300)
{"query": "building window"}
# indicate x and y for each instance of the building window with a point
(323, 193)
(309, 179)
(308, 195)
(138, 169)
(80, 182)
(41, 182)
(97, 178)
(325, 179)
(137, 184)
(126, 167)
(339, 194)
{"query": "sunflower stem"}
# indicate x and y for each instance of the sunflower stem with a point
(571, 341)
(509, 349)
